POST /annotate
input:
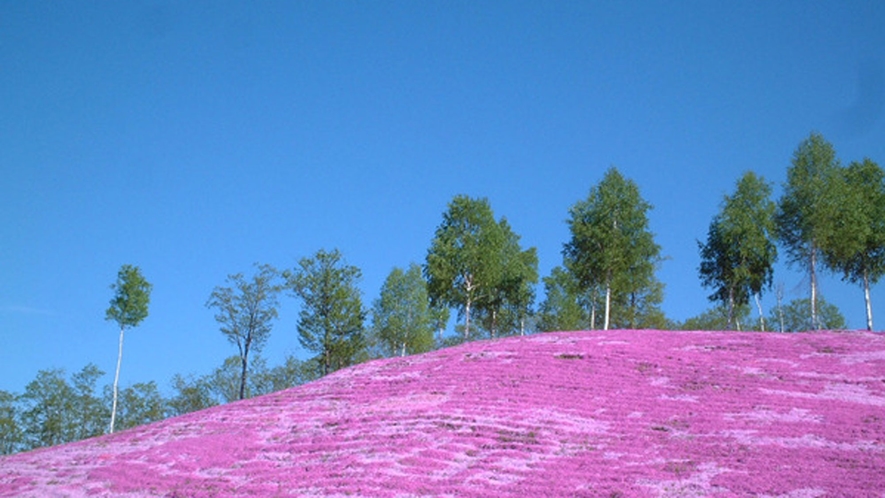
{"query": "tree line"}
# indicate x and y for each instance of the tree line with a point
(829, 217)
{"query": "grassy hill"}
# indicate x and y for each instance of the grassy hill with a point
(618, 413)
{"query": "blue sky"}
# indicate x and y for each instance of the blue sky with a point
(194, 139)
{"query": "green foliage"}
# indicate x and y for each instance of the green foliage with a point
(293, 372)
(562, 308)
(738, 258)
(401, 316)
(505, 304)
(856, 246)
(11, 435)
(807, 210)
(246, 313)
(459, 264)
(54, 412)
(191, 394)
(129, 306)
(718, 318)
(797, 316)
(476, 262)
(132, 294)
(332, 316)
(612, 251)
(140, 404)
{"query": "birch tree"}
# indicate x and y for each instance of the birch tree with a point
(737, 260)
(611, 247)
(459, 266)
(401, 316)
(129, 306)
(807, 209)
(856, 247)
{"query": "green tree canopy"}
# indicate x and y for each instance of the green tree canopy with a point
(246, 311)
(856, 246)
(807, 210)
(505, 303)
(797, 316)
(737, 260)
(612, 249)
(129, 306)
(331, 321)
(562, 308)
(461, 267)
(401, 316)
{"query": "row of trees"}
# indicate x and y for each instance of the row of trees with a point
(55, 408)
(828, 216)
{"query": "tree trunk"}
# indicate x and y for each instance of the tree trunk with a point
(117, 381)
(866, 296)
(608, 304)
(761, 315)
(467, 320)
(730, 316)
(813, 264)
(404, 350)
(245, 363)
(780, 310)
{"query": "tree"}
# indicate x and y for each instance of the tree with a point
(718, 318)
(55, 411)
(806, 213)
(512, 273)
(611, 247)
(246, 312)
(401, 316)
(331, 319)
(140, 404)
(459, 266)
(797, 316)
(293, 372)
(856, 247)
(129, 306)
(11, 436)
(562, 308)
(192, 394)
(738, 258)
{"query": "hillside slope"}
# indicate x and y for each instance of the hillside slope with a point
(619, 413)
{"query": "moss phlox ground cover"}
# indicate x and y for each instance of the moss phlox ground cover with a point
(616, 413)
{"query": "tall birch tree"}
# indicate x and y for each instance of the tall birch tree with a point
(129, 306)
(856, 247)
(611, 247)
(807, 210)
(460, 262)
(737, 260)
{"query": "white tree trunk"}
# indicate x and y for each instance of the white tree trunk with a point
(116, 382)
(761, 315)
(814, 323)
(866, 296)
(467, 320)
(608, 305)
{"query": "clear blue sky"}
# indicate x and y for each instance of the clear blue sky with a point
(195, 138)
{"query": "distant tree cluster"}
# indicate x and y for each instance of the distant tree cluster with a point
(829, 217)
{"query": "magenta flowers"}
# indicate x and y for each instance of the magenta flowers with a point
(617, 413)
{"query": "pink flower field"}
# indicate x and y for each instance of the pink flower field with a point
(617, 413)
